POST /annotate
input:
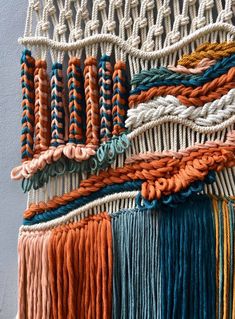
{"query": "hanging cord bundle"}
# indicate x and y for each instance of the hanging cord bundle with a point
(27, 83)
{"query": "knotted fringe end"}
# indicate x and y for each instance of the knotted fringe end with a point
(66, 272)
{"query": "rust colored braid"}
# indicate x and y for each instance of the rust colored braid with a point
(160, 177)
(42, 108)
(27, 83)
(120, 98)
(92, 102)
(188, 95)
(76, 100)
(212, 51)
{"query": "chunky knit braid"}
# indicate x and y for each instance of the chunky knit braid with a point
(42, 108)
(207, 115)
(92, 102)
(188, 95)
(27, 83)
(105, 84)
(120, 98)
(57, 106)
(208, 50)
(163, 76)
(76, 98)
(161, 176)
(202, 66)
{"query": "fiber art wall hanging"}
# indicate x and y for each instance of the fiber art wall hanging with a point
(127, 160)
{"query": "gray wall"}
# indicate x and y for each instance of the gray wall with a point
(12, 200)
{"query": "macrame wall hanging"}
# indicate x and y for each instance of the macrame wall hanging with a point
(128, 160)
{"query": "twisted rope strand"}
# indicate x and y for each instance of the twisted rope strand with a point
(27, 83)
(207, 115)
(120, 98)
(188, 95)
(208, 50)
(105, 101)
(92, 102)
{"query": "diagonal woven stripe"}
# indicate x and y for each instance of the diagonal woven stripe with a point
(163, 76)
(188, 96)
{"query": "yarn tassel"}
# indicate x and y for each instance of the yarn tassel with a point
(105, 102)
(76, 101)
(42, 109)
(27, 83)
(92, 102)
(58, 130)
(120, 98)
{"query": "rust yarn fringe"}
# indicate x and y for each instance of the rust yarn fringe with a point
(67, 272)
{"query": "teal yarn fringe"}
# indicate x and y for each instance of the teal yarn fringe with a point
(164, 262)
(187, 260)
(136, 273)
(104, 157)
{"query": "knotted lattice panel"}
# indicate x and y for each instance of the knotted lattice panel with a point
(140, 30)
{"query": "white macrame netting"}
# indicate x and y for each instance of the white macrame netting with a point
(145, 33)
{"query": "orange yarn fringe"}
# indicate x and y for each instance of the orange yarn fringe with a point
(67, 272)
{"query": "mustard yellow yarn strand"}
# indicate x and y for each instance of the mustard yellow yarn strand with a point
(226, 244)
(233, 304)
(213, 51)
(216, 211)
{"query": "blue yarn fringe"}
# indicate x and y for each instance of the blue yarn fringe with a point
(164, 262)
